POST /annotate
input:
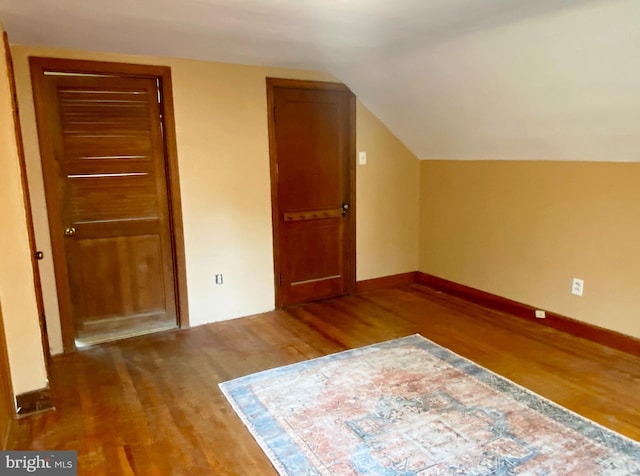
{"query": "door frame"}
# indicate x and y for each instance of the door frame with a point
(350, 225)
(44, 336)
(41, 65)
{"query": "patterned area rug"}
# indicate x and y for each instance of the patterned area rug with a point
(411, 407)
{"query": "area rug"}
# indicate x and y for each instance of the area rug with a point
(411, 407)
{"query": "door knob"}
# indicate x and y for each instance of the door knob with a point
(70, 231)
(345, 208)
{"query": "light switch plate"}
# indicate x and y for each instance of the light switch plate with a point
(577, 286)
(362, 158)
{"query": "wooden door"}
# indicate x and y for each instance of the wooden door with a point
(312, 149)
(106, 187)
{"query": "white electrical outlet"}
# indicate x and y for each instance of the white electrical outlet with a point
(577, 286)
(218, 279)
(540, 314)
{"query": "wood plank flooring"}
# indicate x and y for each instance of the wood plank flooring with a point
(151, 405)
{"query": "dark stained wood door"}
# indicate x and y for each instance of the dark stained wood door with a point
(312, 147)
(107, 194)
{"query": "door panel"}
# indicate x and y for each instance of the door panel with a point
(314, 266)
(129, 197)
(128, 273)
(311, 133)
(308, 136)
(112, 202)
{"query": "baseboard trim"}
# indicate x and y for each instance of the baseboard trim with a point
(613, 339)
(36, 401)
(394, 280)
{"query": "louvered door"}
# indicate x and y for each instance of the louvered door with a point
(112, 193)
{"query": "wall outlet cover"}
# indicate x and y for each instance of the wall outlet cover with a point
(577, 286)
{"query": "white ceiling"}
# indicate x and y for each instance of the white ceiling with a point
(380, 48)
(314, 34)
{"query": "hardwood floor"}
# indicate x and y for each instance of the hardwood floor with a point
(151, 405)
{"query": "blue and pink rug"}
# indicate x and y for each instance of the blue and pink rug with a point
(410, 407)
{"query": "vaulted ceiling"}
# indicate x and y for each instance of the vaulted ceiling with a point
(453, 79)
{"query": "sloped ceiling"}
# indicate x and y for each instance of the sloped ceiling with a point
(453, 79)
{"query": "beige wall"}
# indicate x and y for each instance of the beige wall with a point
(221, 121)
(17, 292)
(559, 91)
(387, 199)
(523, 230)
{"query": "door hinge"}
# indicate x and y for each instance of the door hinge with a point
(280, 279)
